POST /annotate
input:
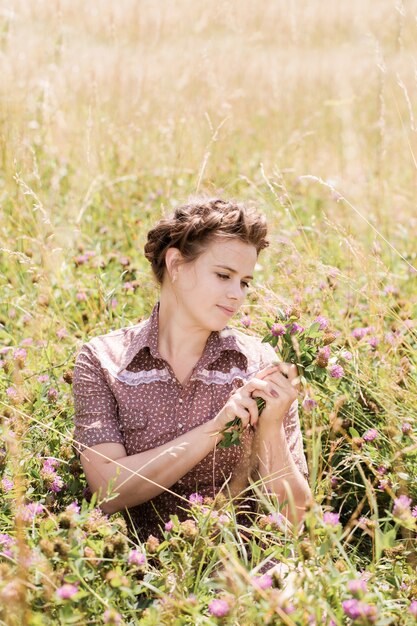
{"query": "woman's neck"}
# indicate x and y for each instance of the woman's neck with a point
(177, 337)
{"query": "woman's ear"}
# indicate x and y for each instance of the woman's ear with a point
(173, 257)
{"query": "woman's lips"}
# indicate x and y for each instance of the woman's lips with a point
(225, 310)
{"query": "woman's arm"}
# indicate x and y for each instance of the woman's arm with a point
(276, 463)
(279, 471)
(140, 477)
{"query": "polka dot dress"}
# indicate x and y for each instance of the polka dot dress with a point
(125, 392)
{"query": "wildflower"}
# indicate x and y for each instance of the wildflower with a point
(277, 330)
(114, 303)
(391, 289)
(136, 558)
(28, 512)
(331, 519)
(10, 592)
(43, 378)
(196, 498)
(128, 287)
(413, 608)
(262, 582)
(329, 338)
(309, 403)
(81, 296)
(169, 526)
(61, 333)
(295, 328)
(19, 356)
(110, 616)
(218, 608)
(346, 355)
(406, 428)
(246, 321)
(323, 356)
(81, 259)
(357, 587)
(336, 371)
(360, 333)
(13, 394)
(322, 321)
(6, 484)
(370, 434)
(277, 520)
(225, 519)
(52, 394)
(373, 341)
(67, 591)
(6, 544)
(414, 511)
(383, 484)
(401, 507)
(152, 544)
(189, 529)
(357, 609)
(68, 376)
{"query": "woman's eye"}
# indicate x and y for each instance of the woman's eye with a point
(223, 276)
(246, 285)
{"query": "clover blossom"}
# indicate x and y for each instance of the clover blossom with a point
(322, 321)
(413, 608)
(370, 434)
(309, 403)
(6, 484)
(337, 371)
(196, 498)
(136, 558)
(112, 617)
(218, 608)
(277, 330)
(6, 543)
(331, 519)
(357, 609)
(66, 591)
(262, 582)
(360, 333)
(357, 586)
(406, 428)
(401, 507)
(28, 512)
(246, 321)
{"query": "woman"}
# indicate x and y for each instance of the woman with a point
(152, 400)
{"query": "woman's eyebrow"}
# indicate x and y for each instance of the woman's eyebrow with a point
(230, 269)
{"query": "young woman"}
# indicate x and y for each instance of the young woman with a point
(151, 400)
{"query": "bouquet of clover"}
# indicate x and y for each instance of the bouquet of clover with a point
(307, 348)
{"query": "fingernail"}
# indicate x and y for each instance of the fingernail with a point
(274, 393)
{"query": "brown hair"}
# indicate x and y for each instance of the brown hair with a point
(193, 226)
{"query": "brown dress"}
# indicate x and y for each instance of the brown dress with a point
(125, 392)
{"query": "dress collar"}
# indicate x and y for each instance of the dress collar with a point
(145, 335)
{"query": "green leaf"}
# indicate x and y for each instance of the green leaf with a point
(353, 432)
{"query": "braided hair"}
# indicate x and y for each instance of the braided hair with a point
(193, 226)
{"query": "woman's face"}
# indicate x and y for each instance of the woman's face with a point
(211, 289)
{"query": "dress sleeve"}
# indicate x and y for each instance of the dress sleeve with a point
(96, 417)
(291, 420)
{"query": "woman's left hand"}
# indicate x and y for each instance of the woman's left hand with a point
(284, 387)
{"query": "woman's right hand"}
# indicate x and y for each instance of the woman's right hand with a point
(241, 403)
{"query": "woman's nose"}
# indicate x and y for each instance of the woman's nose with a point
(235, 291)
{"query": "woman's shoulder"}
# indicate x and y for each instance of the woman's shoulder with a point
(256, 351)
(114, 343)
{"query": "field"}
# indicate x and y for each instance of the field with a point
(111, 114)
